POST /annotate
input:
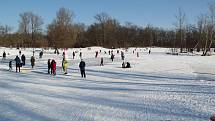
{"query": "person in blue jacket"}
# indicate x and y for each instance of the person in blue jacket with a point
(18, 63)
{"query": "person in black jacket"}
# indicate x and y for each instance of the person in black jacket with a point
(23, 59)
(73, 55)
(112, 57)
(49, 66)
(102, 62)
(32, 61)
(41, 54)
(82, 68)
(18, 63)
(4, 55)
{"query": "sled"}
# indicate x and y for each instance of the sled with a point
(25, 70)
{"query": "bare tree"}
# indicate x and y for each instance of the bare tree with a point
(181, 27)
(209, 29)
(30, 23)
(60, 31)
(102, 19)
(5, 34)
(36, 27)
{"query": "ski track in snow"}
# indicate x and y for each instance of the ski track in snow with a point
(158, 87)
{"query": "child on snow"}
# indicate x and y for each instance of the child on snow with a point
(10, 66)
(65, 65)
(53, 67)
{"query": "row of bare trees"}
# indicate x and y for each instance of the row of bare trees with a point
(63, 32)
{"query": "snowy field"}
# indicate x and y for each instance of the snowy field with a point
(158, 87)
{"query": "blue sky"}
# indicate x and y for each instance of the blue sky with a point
(159, 13)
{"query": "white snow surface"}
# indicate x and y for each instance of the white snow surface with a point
(158, 87)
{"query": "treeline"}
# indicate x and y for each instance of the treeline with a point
(106, 31)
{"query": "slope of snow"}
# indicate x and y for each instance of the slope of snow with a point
(158, 87)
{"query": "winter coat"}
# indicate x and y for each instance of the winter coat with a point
(65, 64)
(23, 57)
(4, 55)
(49, 64)
(53, 64)
(32, 60)
(82, 65)
(18, 61)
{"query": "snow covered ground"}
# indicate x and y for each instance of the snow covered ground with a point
(158, 87)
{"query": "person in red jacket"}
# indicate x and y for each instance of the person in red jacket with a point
(53, 67)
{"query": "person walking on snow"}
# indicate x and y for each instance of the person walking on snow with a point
(65, 65)
(41, 54)
(23, 59)
(96, 54)
(122, 55)
(49, 66)
(20, 52)
(82, 68)
(53, 67)
(10, 66)
(18, 63)
(4, 55)
(73, 55)
(112, 57)
(80, 55)
(102, 62)
(32, 61)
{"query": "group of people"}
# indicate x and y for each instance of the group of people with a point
(21, 62)
(126, 65)
(51, 67)
(65, 63)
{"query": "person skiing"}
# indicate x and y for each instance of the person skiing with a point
(102, 62)
(65, 65)
(112, 57)
(82, 68)
(49, 66)
(10, 66)
(149, 51)
(4, 55)
(18, 63)
(32, 61)
(73, 55)
(53, 67)
(23, 59)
